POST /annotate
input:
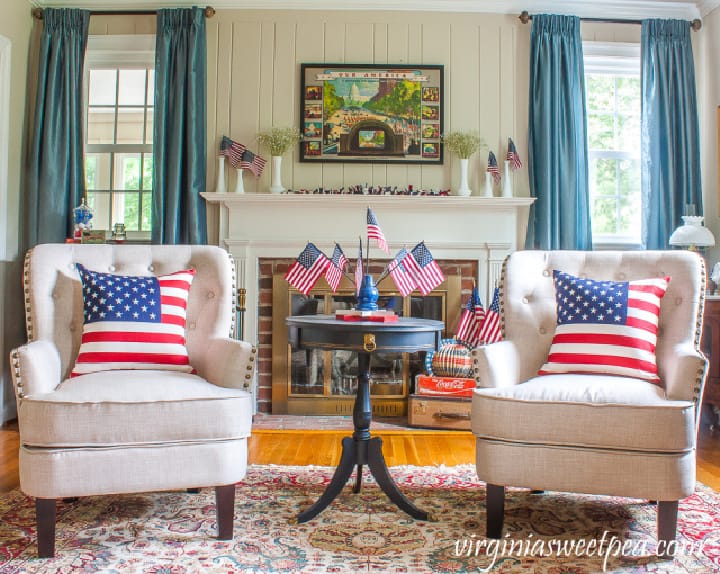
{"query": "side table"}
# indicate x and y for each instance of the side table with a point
(406, 335)
(711, 347)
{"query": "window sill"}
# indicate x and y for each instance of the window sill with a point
(616, 246)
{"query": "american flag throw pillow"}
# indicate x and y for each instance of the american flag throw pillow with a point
(133, 322)
(606, 327)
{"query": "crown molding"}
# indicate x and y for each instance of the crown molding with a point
(630, 9)
(707, 6)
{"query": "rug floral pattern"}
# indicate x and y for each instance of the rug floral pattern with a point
(173, 532)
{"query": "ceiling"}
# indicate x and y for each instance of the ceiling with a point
(634, 9)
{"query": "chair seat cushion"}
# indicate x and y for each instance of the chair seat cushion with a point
(596, 411)
(134, 407)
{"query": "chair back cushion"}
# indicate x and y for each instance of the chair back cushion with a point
(54, 299)
(529, 306)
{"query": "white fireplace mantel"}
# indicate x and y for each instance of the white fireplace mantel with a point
(256, 226)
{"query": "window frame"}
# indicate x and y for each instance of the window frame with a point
(612, 59)
(124, 51)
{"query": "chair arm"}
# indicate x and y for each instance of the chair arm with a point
(498, 364)
(682, 373)
(230, 363)
(36, 368)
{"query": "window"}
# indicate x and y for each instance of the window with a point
(120, 82)
(612, 87)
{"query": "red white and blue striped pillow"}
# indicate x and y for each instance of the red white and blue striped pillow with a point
(133, 322)
(606, 327)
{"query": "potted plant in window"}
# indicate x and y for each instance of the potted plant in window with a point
(278, 141)
(463, 145)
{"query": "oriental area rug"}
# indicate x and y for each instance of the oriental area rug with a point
(173, 532)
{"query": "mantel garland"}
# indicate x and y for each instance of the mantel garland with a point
(410, 270)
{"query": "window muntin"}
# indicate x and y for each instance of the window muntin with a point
(612, 86)
(119, 113)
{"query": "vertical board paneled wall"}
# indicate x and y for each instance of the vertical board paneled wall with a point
(254, 62)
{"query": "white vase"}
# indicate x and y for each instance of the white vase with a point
(276, 185)
(220, 183)
(507, 188)
(488, 185)
(464, 189)
(239, 184)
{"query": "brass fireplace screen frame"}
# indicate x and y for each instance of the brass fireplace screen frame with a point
(387, 399)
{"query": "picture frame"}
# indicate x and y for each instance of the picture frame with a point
(372, 113)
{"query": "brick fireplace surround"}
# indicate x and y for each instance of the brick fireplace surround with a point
(265, 232)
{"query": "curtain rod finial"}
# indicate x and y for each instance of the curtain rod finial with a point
(37, 13)
(524, 17)
(696, 24)
(209, 12)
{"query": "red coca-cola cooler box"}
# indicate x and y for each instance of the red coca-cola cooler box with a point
(444, 386)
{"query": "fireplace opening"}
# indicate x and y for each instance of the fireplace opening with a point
(321, 382)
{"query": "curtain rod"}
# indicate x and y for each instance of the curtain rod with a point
(695, 24)
(38, 12)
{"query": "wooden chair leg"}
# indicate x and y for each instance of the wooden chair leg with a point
(667, 513)
(225, 505)
(495, 508)
(45, 511)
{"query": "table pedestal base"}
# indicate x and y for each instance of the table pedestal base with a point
(359, 452)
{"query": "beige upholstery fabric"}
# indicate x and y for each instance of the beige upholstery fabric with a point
(130, 431)
(102, 409)
(590, 433)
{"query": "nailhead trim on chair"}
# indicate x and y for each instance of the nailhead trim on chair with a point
(702, 373)
(15, 363)
(234, 296)
(26, 294)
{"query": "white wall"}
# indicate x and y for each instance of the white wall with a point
(15, 25)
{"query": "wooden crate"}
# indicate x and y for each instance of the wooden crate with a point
(439, 412)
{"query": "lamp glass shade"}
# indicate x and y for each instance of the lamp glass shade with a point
(692, 233)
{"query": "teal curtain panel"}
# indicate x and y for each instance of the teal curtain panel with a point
(179, 138)
(557, 136)
(56, 175)
(670, 132)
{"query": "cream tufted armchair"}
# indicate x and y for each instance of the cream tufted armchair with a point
(585, 433)
(124, 431)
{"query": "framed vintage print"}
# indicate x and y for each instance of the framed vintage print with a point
(371, 113)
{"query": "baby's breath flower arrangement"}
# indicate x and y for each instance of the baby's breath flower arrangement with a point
(463, 144)
(279, 140)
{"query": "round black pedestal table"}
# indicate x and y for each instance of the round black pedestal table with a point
(406, 335)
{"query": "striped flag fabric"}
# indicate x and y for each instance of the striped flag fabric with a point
(133, 322)
(307, 269)
(232, 149)
(374, 231)
(423, 269)
(334, 272)
(607, 327)
(492, 167)
(359, 270)
(403, 280)
(253, 162)
(491, 330)
(471, 321)
(512, 155)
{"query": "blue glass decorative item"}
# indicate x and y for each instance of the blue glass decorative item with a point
(368, 294)
(82, 218)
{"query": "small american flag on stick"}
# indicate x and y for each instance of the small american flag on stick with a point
(491, 330)
(310, 265)
(359, 270)
(334, 272)
(471, 321)
(374, 231)
(493, 168)
(423, 268)
(403, 280)
(232, 150)
(253, 162)
(512, 155)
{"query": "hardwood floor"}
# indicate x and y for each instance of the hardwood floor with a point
(322, 448)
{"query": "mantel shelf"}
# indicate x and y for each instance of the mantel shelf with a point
(386, 201)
